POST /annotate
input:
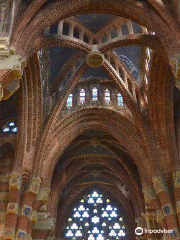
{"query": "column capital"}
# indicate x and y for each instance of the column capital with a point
(35, 185)
(9, 234)
(159, 215)
(14, 181)
(12, 208)
(175, 65)
(159, 184)
(26, 211)
(149, 194)
(21, 234)
(43, 194)
(176, 177)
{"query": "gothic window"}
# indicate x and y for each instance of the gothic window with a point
(95, 218)
(94, 94)
(10, 128)
(107, 96)
(120, 100)
(82, 96)
(70, 100)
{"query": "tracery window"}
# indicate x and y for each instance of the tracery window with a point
(10, 128)
(70, 100)
(94, 94)
(82, 96)
(95, 218)
(107, 96)
(120, 99)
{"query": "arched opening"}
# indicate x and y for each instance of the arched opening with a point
(95, 216)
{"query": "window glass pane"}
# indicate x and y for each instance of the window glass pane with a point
(94, 94)
(119, 99)
(69, 100)
(95, 218)
(107, 96)
(82, 96)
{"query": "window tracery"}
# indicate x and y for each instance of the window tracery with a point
(10, 128)
(95, 218)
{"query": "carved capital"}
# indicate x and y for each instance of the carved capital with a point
(149, 194)
(34, 217)
(14, 181)
(177, 179)
(43, 195)
(12, 208)
(178, 207)
(159, 215)
(21, 235)
(26, 211)
(35, 185)
(9, 234)
(167, 209)
(159, 184)
(175, 65)
(28, 237)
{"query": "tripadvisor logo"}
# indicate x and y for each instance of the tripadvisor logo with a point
(139, 231)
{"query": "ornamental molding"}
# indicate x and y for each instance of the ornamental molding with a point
(176, 177)
(159, 215)
(43, 195)
(21, 235)
(9, 234)
(149, 194)
(12, 208)
(34, 217)
(14, 181)
(159, 184)
(178, 207)
(26, 211)
(167, 209)
(175, 65)
(12, 66)
(35, 185)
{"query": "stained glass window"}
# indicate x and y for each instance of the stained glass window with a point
(70, 100)
(82, 96)
(95, 218)
(120, 100)
(94, 94)
(107, 96)
(10, 128)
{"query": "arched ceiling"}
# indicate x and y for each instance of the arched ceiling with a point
(87, 145)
